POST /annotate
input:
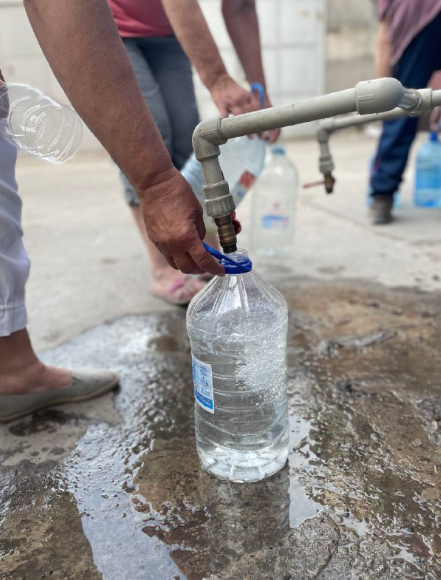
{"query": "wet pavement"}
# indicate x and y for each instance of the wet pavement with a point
(113, 490)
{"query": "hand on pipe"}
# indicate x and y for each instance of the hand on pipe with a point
(174, 222)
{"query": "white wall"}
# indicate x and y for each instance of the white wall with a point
(292, 34)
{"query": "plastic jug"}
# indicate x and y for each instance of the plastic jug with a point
(427, 192)
(238, 331)
(37, 124)
(273, 208)
(241, 159)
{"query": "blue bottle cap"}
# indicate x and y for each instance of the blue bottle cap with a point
(231, 266)
(434, 137)
(278, 150)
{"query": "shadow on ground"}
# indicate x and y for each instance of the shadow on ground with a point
(112, 489)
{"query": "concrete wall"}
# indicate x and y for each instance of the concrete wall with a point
(350, 42)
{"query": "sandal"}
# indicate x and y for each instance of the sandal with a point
(181, 292)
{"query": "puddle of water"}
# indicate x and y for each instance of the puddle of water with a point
(359, 495)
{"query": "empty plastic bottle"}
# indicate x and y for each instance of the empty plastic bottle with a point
(238, 329)
(427, 191)
(241, 159)
(273, 207)
(39, 125)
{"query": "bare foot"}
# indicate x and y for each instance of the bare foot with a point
(175, 287)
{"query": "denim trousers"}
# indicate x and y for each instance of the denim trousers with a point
(415, 67)
(165, 77)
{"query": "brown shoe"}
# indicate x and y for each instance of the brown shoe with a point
(381, 210)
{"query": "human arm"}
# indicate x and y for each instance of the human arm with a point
(191, 29)
(383, 66)
(243, 27)
(89, 60)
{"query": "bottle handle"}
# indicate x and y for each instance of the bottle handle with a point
(259, 88)
(231, 266)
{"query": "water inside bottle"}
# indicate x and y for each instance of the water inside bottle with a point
(245, 436)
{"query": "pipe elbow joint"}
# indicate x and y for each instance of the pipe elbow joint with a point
(378, 96)
(206, 139)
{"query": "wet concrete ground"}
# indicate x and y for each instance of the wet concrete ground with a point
(115, 491)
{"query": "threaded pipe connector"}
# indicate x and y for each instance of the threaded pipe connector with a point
(227, 233)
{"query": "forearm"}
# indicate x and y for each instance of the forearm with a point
(243, 27)
(383, 66)
(192, 31)
(89, 60)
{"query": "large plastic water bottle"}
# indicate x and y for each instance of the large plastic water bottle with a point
(427, 191)
(238, 329)
(241, 159)
(274, 199)
(37, 124)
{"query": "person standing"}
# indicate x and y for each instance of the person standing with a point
(163, 40)
(409, 49)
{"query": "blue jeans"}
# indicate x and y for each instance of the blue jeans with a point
(164, 74)
(417, 64)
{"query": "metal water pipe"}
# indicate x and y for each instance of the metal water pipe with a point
(368, 97)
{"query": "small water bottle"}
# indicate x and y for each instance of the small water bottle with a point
(34, 122)
(273, 208)
(238, 331)
(241, 159)
(427, 192)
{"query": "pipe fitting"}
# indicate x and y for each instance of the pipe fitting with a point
(378, 96)
(218, 199)
(206, 139)
(227, 233)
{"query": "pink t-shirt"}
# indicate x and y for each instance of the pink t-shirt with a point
(140, 18)
(406, 19)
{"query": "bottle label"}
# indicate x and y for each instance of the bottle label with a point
(203, 384)
(275, 222)
(246, 181)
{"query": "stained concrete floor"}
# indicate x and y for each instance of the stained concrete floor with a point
(112, 489)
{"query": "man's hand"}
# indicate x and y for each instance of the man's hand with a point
(174, 223)
(229, 97)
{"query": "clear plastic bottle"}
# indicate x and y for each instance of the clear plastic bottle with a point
(273, 208)
(238, 330)
(427, 191)
(241, 159)
(39, 125)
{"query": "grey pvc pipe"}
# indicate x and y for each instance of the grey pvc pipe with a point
(302, 112)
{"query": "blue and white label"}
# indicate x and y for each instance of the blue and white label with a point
(203, 384)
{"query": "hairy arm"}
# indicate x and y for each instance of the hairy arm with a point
(82, 45)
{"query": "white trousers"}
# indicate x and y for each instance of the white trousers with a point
(14, 262)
